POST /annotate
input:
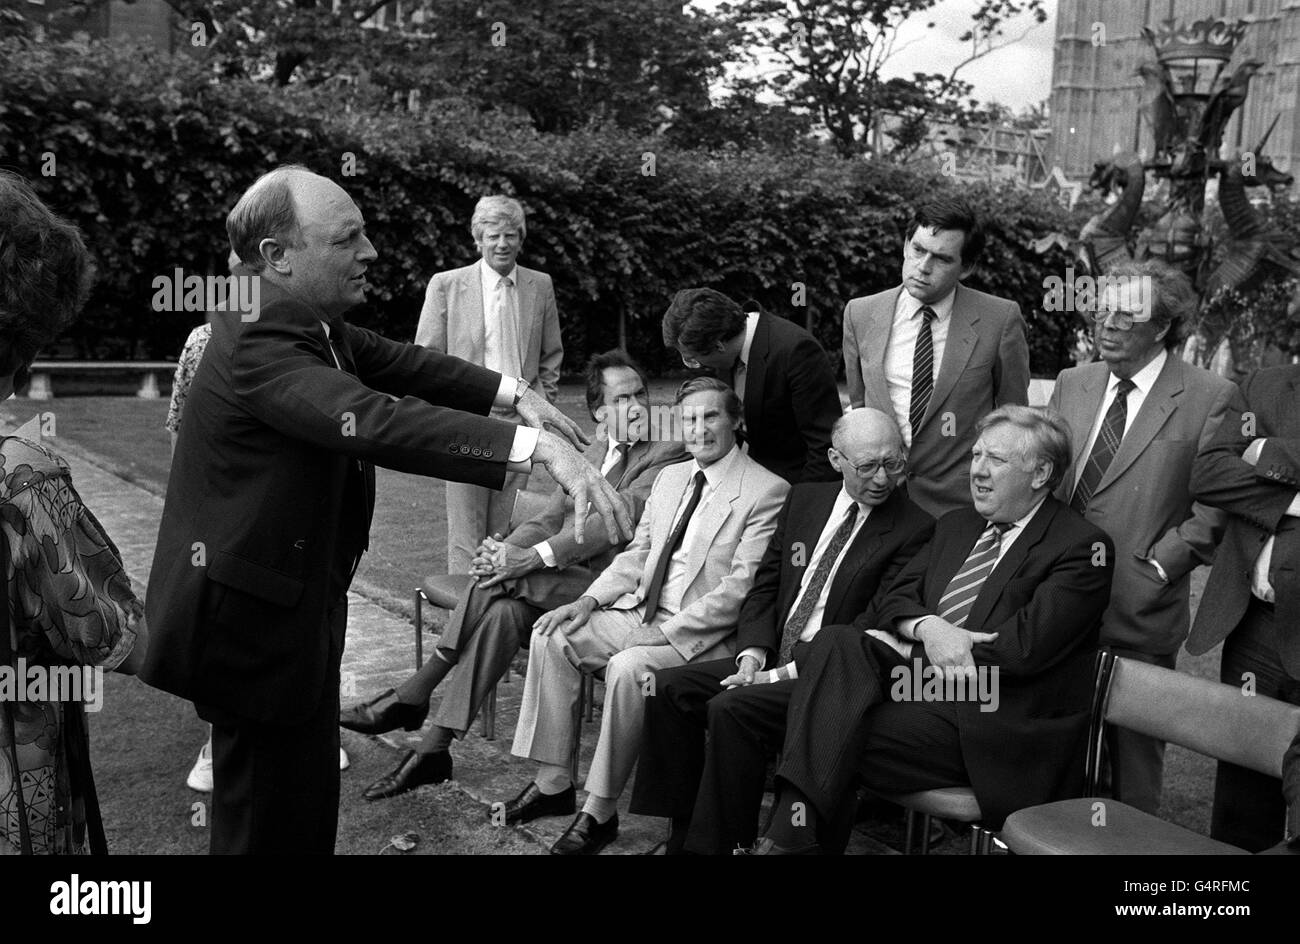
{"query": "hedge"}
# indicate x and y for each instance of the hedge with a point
(149, 153)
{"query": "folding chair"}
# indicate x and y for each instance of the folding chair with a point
(1213, 719)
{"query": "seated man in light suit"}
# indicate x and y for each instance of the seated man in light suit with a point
(836, 544)
(936, 354)
(503, 316)
(672, 597)
(537, 567)
(1008, 597)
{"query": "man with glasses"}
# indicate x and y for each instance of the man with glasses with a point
(836, 544)
(1137, 418)
(779, 371)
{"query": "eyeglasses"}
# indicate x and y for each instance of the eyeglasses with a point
(1124, 320)
(892, 466)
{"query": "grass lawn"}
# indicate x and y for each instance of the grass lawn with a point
(142, 732)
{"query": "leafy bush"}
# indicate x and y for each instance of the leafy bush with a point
(149, 153)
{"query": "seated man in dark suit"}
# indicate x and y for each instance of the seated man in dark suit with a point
(780, 372)
(1006, 601)
(536, 568)
(835, 545)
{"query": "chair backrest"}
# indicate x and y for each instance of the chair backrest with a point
(1217, 720)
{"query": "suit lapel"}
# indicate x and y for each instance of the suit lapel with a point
(873, 343)
(860, 553)
(1011, 563)
(472, 318)
(1080, 413)
(1157, 407)
(755, 367)
(957, 350)
(524, 322)
(712, 518)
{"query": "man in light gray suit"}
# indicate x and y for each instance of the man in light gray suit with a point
(502, 316)
(1137, 418)
(672, 597)
(894, 341)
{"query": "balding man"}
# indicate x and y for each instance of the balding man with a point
(836, 544)
(270, 497)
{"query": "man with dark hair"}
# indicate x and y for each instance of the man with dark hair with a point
(1137, 418)
(936, 354)
(836, 544)
(779, 371)
(670, 598)
(1005, 601)
(1251, 603)
(536, 567)
(271, 493)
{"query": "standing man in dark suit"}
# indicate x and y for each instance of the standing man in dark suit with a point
(1251, 603)
(936, 354)
(835, 545)
(271, 492)
(1006, 599)
(779, 371)
(536, 568)
(503, 316)
(1137, 418)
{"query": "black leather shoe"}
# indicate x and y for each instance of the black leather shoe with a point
(382, 714)
(415, 770)
(766, 846)
(585, 836)
(533, 803)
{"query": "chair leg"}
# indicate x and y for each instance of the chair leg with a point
(589, 690)
(419, 629)
(909, 830)
(925, 834)
(576, 752)
(976, 839)
(490, 716)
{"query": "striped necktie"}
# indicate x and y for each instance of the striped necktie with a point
(1109, 437)
(959, 599)
(798, 621)
(922, 370)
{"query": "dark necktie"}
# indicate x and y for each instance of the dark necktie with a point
(620, 464)
(674, 540)
(1103, 450)
(798, 621)
(922, 370)
(958, 600)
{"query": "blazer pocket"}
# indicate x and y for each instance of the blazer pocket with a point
(246, 588)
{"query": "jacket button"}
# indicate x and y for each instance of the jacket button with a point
(487, 453)
(464, 450)
(452, 448)
(476, 452)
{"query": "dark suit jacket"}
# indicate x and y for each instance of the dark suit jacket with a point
(1144, 501)
(791, 401)
(1045, 600)
(1256, 498)
(271, 491)
(985, 365)
(893, 532)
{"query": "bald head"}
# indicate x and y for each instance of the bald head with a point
(860, 440)
(302, 232)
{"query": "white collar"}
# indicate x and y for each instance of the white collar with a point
(1145, 378)
(719, 470)
(491, 276)
(909, 305)
(751, 325)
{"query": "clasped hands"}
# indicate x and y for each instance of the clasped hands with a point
(496, 560)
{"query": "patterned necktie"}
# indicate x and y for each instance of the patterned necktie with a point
(922, 370)
(675, 539)
(620, 464)
(507, 328)
(959, 599)
(1103, 450)
(798, 621)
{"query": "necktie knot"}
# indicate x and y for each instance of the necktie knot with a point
(928, 313)
(1124, 388)
(505, 282)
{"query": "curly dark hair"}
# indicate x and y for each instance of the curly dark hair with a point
(45, 273)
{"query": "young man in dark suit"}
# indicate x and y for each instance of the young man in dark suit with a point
(270, 497)
(936, 354)
(1006, 599)
(1251, 470)
(835, 545)
(779, 371)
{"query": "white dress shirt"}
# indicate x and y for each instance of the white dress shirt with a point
(1143, 381)
(741, 371)
(500, 343)
(838, 511)
(901, 351)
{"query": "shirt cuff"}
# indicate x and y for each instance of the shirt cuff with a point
(521, 450)
(1160, 570)
(543, 549)
(758, 652)
(1293, 509)
(907, 627)
(506, 392)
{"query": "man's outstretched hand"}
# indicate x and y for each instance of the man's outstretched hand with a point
(583, 482)
(538, 412)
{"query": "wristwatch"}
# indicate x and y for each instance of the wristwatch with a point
(520, 389)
